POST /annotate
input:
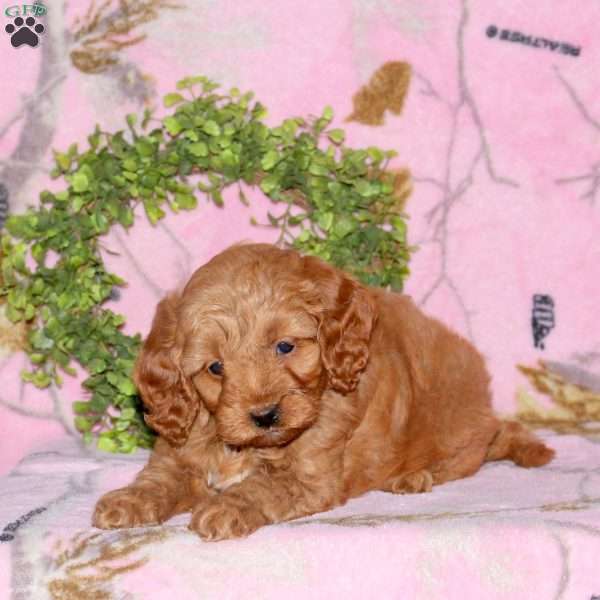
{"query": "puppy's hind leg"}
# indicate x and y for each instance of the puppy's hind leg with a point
(462, 459)
(514, 442)
(415, 482)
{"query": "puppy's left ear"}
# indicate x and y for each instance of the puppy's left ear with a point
(346, 324)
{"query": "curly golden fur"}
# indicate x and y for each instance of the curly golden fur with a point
(281, 387)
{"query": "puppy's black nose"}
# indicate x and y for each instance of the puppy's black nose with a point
(266, 417)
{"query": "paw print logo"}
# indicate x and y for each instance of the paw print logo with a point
(24, 31)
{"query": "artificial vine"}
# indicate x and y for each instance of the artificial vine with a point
(341, 205)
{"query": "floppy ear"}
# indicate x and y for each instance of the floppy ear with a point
(346, 322)
(171, 399)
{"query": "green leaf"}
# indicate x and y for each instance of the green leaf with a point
(38, 286)
(337, 136)
(82, 424)
(97, 365)
(29, 312)
(363, 187)
(39, 340)
(343, 226)
(269, 184)
(189, 82)
(191, 135)
(127, 387)
(128, 413)
(63, 161)
(126, 442)
(173, 125)
(37, 358)
(130, 165)
(17, 258)
(172, 99)
(107, 444)
(78, 203)
(327, 113)
(41, 379)
(80, 182)
(217, 198)
(375, 154)
(269, 160)
(146, 118)
(199, 149)
(144, 148)
(325, 220)
(80, 407)
(94, 140)
(304, 236)
(14, 315)
(319, 170)
(212, 128)
(398, 224)
(186, 201)
(154, 212)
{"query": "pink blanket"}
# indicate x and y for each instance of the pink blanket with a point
(497, 124)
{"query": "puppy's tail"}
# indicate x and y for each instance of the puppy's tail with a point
(514, 442)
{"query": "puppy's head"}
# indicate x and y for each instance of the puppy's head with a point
(255, 338)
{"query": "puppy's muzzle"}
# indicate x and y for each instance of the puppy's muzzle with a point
(266, 417)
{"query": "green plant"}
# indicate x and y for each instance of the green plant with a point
(340, 204)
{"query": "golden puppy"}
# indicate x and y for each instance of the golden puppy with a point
(281, 387)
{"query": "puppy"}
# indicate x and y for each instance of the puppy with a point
(281, 387)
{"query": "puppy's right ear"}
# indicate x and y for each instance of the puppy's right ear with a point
(347, 315)
(170, 397)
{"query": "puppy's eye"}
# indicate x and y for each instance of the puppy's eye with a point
(216, 368)
(284, 348)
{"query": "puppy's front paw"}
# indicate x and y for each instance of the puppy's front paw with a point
(129, 507)
(225, 517)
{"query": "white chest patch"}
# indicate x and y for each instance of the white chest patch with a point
(220, 482)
